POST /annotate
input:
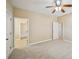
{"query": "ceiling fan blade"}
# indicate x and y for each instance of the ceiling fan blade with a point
(54, 11)
(67, 5)
(49, 6)
(62, 10)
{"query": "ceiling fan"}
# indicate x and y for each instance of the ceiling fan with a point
(59, 6)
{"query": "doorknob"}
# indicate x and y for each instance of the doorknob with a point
(6, 38)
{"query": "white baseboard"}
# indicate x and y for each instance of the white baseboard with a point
(68, 41)
(39, 42)
(11, 50)
(10, 53)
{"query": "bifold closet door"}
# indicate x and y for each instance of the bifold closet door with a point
(55, 30)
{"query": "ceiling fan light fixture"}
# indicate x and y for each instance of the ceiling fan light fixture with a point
(56, 8)
(59, 8)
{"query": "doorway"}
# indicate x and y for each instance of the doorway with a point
(21, 32)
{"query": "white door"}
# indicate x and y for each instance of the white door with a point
(55, 30)
(9, 33)
(59, 30)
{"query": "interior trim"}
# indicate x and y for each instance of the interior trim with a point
(39, 42)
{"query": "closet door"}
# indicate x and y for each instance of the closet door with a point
(55, 30)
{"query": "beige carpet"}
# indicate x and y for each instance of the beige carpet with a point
(57, 49)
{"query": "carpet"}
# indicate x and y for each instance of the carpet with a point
(54, 49)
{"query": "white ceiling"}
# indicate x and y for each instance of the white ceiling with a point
(39, 6)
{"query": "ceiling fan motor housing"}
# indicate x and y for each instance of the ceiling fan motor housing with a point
(58, 3)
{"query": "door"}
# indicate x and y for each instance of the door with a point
(55, 30)
(60, 30)
(21, 32)
(9, 33)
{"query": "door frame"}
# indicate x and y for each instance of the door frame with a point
(14, 29)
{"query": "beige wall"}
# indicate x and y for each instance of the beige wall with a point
(9, 29)
(67, 26)
(40, 25)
